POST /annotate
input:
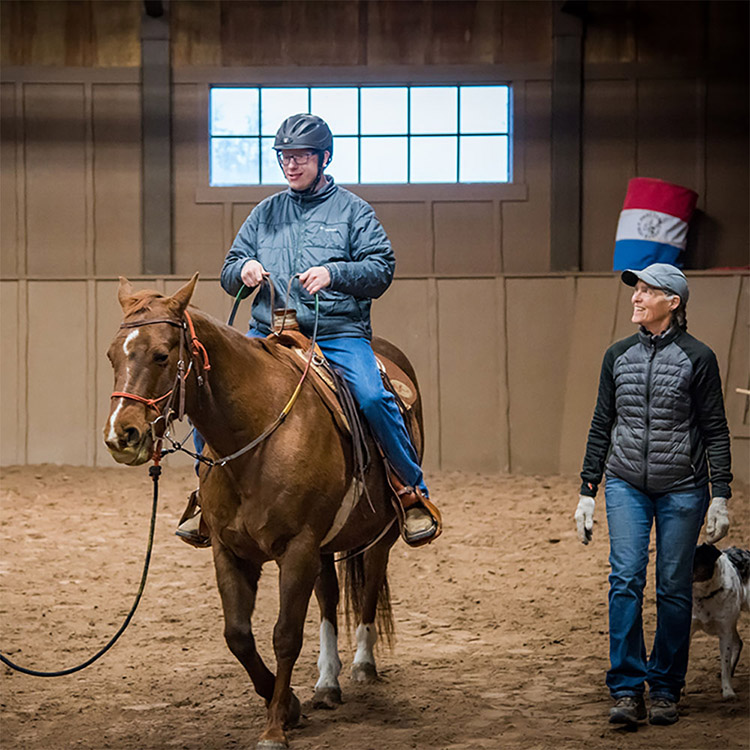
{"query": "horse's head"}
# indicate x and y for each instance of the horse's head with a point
(144, 355)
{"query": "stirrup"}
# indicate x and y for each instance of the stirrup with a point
(407, 497)
(192, 528)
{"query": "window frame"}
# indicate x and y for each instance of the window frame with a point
(513, 190)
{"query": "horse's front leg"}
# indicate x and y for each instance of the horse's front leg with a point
(298, 568)
(238, 585)
(327, 688)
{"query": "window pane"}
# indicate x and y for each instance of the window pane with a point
(434, 159)
(434, 109)
(484, 159)
(484, 109)
(339, 108)
(344, 166)
(278, 104)
(234, 161)
(271, 173)
(383, 110)
(383, 160)
(234, 111)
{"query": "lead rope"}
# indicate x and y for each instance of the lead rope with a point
(154, 472)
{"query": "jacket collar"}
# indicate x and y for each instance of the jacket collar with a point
(318, 197)
(659, 340)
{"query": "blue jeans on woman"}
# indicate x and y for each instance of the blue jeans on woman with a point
(630, 515)
(354, 359)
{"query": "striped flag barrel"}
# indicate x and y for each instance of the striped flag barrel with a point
(653, 224)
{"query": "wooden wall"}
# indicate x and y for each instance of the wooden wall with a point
(507, 352)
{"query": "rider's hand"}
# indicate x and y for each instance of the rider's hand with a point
(584, 517)
(253, 273)
(315, 279)
(717, 520)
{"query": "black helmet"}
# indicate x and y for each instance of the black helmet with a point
(304, 131)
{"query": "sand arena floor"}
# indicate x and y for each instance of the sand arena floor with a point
(501, 629)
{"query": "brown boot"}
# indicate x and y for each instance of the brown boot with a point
(192, 528)
(420, 520)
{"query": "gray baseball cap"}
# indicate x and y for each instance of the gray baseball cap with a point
(662, 276)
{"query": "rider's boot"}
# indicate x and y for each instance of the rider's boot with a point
(192, 528)
(420, 519)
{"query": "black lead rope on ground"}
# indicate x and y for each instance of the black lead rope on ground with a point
(154, 472)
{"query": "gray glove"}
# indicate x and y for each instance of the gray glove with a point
(584, 517)
(717, 520)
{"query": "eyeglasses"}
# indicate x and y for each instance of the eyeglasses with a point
(299, 159)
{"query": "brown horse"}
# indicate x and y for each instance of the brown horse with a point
(285, 500)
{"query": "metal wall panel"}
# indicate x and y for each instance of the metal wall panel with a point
(469, 340)
(59, 419)
(117, 179)
(8, 176)
(12, 369)
(55, 136)
(539, 321)
(590, 336)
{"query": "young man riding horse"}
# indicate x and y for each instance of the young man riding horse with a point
(332, 239)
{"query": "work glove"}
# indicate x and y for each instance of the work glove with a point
(717, 520)
(584, 517)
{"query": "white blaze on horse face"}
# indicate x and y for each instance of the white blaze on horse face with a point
(329, 664)
(367, 634)
(112, 435)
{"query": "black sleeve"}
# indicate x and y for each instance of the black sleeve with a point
(600, 432)
(712, 420)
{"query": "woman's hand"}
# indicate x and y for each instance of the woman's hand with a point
(253, 273)
(315, 279)
(584, 517)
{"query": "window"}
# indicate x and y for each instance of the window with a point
(382, 134)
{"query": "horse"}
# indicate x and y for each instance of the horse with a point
(280, 501)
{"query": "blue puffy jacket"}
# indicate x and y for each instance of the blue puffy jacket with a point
(288, 233)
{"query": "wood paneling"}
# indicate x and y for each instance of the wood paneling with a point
(670, 31)
(55, 179)
(526, 31)
(414, 301)
(610, 32)
(738, 376)
(408, 228)
(59, 422)
(608, 164)
(465, 238)
(116, 32)
(539, 317)
(117, 179)
(11, 438)
(470, 419)
(590, 337)
(196, 33)
(240, 212)
(8, 175)
(397, 32)
(464, 31)
(525, 226)
(198, 228)
(668, 132)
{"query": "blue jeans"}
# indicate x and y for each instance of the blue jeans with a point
(678, 517)
(354, 359)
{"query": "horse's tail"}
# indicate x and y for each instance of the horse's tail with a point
(354, 589)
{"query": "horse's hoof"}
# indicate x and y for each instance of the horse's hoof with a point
(295, 711)
(328, 698)
(364, 672)
(271, 745)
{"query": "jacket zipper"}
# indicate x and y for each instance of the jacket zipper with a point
(648, 418)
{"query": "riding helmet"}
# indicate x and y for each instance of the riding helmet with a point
(304, 131)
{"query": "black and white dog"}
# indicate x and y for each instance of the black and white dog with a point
(721, 588)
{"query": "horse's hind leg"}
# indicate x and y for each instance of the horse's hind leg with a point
(327, 688)
(375, 581)
(238, 585)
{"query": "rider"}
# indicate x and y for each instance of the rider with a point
(333, 239)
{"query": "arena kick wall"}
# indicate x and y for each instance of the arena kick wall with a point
(508, 351)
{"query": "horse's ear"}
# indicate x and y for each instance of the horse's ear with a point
(181, 297)
(124, 292)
